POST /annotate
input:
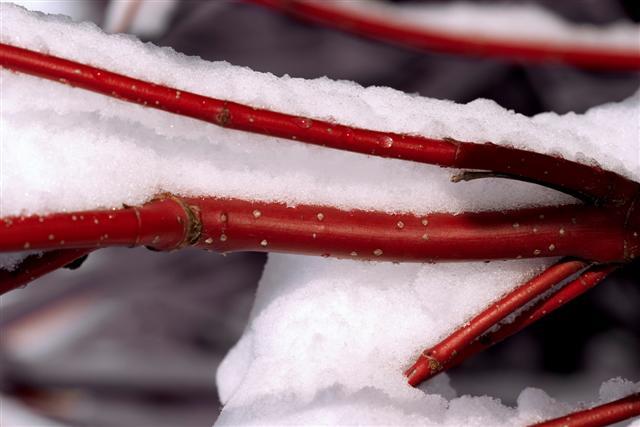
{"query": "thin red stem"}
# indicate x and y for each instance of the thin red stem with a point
(226, 225)
(574, 178)
(471, 338)
(438, 358)
(225, 113)
(35, 266)
(566, 294)
(598, 416)
(604, 58)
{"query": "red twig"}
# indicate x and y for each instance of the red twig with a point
(574, 289)
(438, 358)
(469, 340)
(226, 225)
(163, 224)
(582, 180)
(36, 266)
(437, 40)
(602, 415)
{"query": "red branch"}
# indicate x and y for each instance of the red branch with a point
(574, 178)
(36, 266)
(471, 338)
(547, 305)
(226, 225)
(163, 224)
(439, 357)
(602, 415)
(604, 58)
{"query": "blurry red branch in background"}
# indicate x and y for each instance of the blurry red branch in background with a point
(433, 39)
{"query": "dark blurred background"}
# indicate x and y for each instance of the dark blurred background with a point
(133, 338)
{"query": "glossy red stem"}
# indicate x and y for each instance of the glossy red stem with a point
(163, 224)
(439, 357)
(471, 338)
(426, 39)
(575, 178)
(547, 305)
(598, 416)
(227, 225)
(35, 266)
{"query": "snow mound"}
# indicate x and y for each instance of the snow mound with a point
(325, 344)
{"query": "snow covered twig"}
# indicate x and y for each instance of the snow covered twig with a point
(583, 181)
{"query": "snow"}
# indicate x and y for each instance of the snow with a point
(15, 414)
(337, 331)
(617, 388)
(328, 339)
(10, 260)
(500, 21)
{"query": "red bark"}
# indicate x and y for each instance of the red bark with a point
(596, 57)
(602, 415)
(439, 357)
(163, 224)
(227, 225)
(547, 305)
(471, 338)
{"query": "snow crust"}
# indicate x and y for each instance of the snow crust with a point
(327, 338)
(498, 21)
